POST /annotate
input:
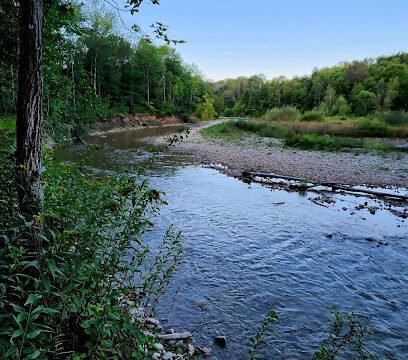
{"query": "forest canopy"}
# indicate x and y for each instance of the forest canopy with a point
(358, 88)
(94, 69)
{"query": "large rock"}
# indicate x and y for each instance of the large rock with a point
(220, 340)
(175, 336)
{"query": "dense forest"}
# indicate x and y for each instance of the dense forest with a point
(358, 88)
(94, 68)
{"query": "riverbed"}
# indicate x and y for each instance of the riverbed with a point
(250, 249)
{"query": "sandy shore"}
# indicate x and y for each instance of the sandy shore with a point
(268, 155)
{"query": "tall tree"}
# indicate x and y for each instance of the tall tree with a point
(29, 110)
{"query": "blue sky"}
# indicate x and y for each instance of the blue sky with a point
(229, 38)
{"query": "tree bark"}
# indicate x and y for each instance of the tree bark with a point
(29, 111)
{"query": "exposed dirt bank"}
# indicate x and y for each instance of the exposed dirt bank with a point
(268, 155)
(122, 122)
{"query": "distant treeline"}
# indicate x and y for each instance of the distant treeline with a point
(359, 88)
(91, 71)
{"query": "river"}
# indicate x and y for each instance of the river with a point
(250, 249)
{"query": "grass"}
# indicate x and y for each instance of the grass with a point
(7, 131)
(305, 135)
(8, 123)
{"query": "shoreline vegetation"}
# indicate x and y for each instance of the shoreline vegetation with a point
(233, 151)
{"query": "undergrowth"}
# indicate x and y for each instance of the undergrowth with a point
(79, 298)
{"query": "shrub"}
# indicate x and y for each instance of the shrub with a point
(271, 115)
(321, 142)
(288, 113)
(94, 272)
(312, 116)
(373, 128)
(395, 117)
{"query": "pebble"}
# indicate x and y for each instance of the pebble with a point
(153, 321)
(158, 346)
(205, 350)
(168, 355)
(202, 304)
(190, 349)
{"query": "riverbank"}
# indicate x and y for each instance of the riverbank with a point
(122, 122)
(269, 155)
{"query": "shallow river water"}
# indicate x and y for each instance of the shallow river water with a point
(250, 249)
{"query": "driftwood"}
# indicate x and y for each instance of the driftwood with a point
(333, 185)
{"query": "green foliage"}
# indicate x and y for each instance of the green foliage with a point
(394, 117)
(81, 296)
(321, 142)
(372, 128)
(287, 113)
(206, 110)
(358, 88)
(91, 72)
(341, 106)
(312, 116)
(7, 132)
(306, 138)
(259, 337)
(271, 115)
(347, 336)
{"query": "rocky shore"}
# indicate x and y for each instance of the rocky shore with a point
(269, 155)
(169, 344)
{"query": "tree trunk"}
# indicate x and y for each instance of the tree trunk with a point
(29, 112)
(164, 87)
(148, 85)
(95, 89)
(73, 83)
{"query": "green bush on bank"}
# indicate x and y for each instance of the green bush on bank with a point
(312, 116)
(78, 299)
(373, 128)
(394, 118)
(287, 113)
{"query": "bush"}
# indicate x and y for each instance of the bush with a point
(312, 116)
(394, 117)
(373, 128)
(271, 115)
(287, 113)
(321, 142)
(94, 273)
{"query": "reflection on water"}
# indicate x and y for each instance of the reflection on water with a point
(249, 250)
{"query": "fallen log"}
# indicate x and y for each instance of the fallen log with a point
(333, 185)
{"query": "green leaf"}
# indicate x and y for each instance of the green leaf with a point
(46, 282)
(17, 333)
(34, 334)
(22, 316)
(34, 355)
(32, 299)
